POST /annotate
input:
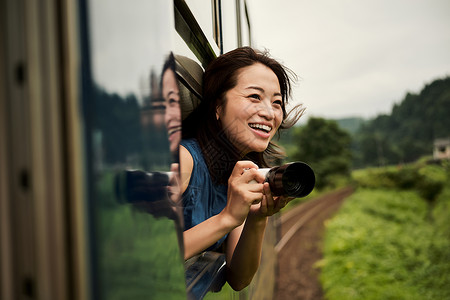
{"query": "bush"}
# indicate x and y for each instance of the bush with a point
(432, 180)
(427, 180)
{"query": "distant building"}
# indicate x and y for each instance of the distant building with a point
(441, 149)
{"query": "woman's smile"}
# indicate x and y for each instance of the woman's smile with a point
(261, 130)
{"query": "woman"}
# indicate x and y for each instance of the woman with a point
(171, 95)
(226, 139)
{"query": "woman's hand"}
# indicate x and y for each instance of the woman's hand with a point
(241, 193)
(269, 205)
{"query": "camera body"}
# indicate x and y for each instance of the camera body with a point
(133, 186)
(295, 179)
(147, 192)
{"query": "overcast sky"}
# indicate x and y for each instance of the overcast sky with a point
(355, 58)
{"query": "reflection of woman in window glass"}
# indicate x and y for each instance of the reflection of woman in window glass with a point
(225, 140)
(171, 95)
(172, 119)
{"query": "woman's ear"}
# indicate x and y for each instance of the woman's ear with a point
(218, 112)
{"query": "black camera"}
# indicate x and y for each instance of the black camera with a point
(147, 192)
(134, 186)
(294, 179)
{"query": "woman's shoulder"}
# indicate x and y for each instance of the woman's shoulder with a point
(186, 167)
(192, 163)
(195, 151)
(191, 145)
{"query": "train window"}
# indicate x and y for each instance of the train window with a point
(229, 22)
(203, 13)
(188, 27)
(217, 24)
(235, 19)
(135, 220)
(207, 14)
(244, 24)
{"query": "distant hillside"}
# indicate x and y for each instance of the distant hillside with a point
(409, 131)
(352, 125)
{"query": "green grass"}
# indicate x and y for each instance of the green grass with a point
(138, 256)
(385, 244)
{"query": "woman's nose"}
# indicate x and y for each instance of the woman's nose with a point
(266, 111)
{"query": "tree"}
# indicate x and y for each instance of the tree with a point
(409, 131)
(325, 147)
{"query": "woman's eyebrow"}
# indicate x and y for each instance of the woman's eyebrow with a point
(262, 90)
(171, 92)
(255, 88)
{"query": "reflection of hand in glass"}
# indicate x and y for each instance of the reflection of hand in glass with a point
(171, 95)
(173, 189)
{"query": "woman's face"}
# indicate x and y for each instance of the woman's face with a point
(252, 111)
(172, 116)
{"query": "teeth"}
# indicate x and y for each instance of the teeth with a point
(173, 130)
(261, 127)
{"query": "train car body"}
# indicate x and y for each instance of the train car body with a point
(81, 113)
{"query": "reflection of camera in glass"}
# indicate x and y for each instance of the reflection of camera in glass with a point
(133, 186)
(148, 192)
(294, 179)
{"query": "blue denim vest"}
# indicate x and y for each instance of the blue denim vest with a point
(202, 199)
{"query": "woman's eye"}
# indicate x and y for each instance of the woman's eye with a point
(172, 101)
(255, 96)
(278, 103)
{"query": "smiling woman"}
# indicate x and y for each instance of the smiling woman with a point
(252, 111)
(225, 140)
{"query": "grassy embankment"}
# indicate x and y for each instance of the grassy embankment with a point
(391, 238)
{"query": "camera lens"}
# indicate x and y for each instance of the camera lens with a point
(291, 183)
(294, 179)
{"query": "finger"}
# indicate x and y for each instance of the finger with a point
(174, 167)
(254, 197)
(241, 166)
(252, 176)
(264, 208)
(255, 188)
(269, 196)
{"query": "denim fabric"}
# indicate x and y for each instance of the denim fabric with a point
(202, 198)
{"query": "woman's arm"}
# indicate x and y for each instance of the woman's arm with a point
(243, 252)
(205, 234)
(240, 198)
(244, 244)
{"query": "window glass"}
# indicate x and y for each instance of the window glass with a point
(245, 30)
(132, 134)
(180, 47)
(229, 25)
(203, 13)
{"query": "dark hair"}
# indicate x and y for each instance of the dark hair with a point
(169, 63)
(221, 76)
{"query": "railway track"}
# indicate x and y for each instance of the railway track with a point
(294, 219)
(299, 247)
